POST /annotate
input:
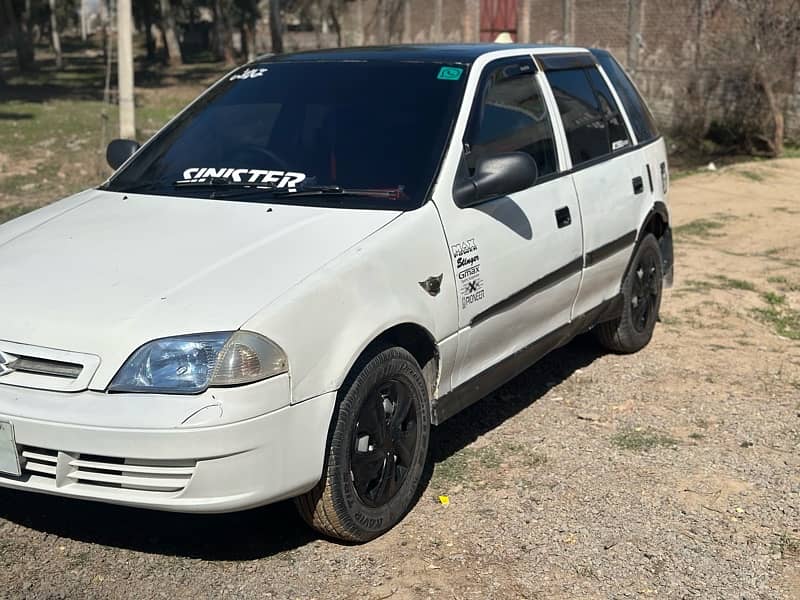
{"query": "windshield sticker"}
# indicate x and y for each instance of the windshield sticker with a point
(281, 179)
(468, 267)
(450, 73)
(249, 74)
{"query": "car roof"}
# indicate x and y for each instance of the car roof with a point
(453, 53)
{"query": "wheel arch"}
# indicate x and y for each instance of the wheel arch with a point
(656, 222)
(414, 338)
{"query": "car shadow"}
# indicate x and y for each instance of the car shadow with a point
(507, 401)
(271, 530)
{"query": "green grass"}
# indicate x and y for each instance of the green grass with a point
(697, 285)
(699, 228)
(720, 282)
(751, 175)
(783, 319)
(736, 284)
(54, 126)
(642, 440)
(791, 152)
(784, 283)
(774, 299)
(469, 464)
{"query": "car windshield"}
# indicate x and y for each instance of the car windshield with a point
(344, 133)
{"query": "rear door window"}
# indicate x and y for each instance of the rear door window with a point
(591, 118)
(510, 115)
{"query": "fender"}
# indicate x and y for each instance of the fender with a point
(660, 209)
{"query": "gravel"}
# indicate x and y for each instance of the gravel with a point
(671, 473)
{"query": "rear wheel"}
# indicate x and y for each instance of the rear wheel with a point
(377, 451)
(641, 292)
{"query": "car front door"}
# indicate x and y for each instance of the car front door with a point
(517, 259)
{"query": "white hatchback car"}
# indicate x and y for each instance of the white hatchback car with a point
(321, 257)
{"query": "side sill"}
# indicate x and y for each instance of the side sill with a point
(481, 385)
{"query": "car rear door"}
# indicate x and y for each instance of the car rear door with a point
(610, 176)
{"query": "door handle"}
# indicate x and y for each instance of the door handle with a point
(563, 218)
(638, 185)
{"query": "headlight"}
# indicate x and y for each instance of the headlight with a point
(189, 364)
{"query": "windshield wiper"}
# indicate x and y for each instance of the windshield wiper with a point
(245, 189)
(335, 190)
(222, 182)
(140, 186)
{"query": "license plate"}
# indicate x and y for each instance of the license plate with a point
(9, 457)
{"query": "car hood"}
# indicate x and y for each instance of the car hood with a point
(103, 272)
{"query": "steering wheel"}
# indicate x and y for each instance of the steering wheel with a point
(275, 162)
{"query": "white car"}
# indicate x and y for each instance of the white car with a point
(323, 256)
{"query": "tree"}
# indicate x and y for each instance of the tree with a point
(21, 31)
(171, 44)
(276, 26)
(756, 44)
(54, 35)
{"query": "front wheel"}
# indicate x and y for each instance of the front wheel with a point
(641, 293)
(377, 451)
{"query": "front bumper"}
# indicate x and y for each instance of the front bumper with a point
(206, 469)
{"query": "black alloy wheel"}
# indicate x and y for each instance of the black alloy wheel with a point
(641, 294)
(377, 450)
(645, 291)
(384, 443)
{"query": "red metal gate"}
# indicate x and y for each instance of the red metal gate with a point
(498, 16)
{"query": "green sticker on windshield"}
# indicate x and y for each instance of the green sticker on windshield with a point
(450, 73)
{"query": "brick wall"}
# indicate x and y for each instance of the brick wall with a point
(664, 45)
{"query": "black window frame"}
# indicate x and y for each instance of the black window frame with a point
(479, 97)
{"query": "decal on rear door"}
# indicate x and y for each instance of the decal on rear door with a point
(467, 262)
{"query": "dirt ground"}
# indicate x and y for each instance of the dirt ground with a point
(672, 473)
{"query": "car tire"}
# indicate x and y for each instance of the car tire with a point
(641, 293)
(377, 450)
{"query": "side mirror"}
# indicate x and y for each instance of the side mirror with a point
(119, 151)
(495, 177)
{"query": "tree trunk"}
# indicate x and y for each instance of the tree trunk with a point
(170, 37)
(337, 24)
(147, 19)
(56, 38)
(775, 111)
(249, 39)
(276, 26)
(222, 32)
(22, 41)
(226, 33)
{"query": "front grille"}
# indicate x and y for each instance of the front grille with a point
(41, 366)
(68, 468)
(38, 367)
